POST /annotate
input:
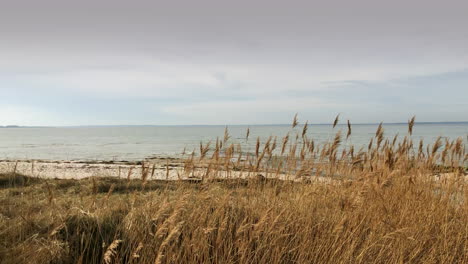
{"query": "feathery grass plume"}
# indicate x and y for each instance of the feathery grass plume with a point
(304, 129)
(292, 152)
(229, 152)
(379, 135)
(324, 152)
(170, 219)
(386, 143)
(201, 150)
(311, 146)
(111, 251)
(458, 146)
(395, 138)
(204, 149)
(411, 124)
(285, 143)
(421, 148)
(436, 146)
(215, 155)
(259, 160)
(295, 121)
(257, 147)
(404, 145)
(267, 143)
(226, 134)
(273, 146)
(454, 156)
(351, 151)
(303, 151)
(336, 140)
(349, 130)
(337, 118)
(188, 162)
(239, 158)
(333, 149)
(238, 147)
(267, 147)
(379, 130)
(389, 158)
(247, 134)
(207, 172)
(136, 252)
(343, 154)
(173, 235)
(370, 145)
(447, 146)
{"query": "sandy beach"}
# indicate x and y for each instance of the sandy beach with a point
(83, 169)
(158, 169)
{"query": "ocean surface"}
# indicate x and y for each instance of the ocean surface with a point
(131, 143)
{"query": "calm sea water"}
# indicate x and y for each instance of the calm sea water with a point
(136, 143)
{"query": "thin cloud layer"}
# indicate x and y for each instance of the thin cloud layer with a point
(217, 62)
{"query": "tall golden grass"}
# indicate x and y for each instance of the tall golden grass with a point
(289, 200)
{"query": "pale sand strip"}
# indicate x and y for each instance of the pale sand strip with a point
(163, 170)
(80, 170)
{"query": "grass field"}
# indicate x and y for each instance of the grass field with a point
(390, 202)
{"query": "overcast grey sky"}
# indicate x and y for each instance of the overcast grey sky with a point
(231, 62)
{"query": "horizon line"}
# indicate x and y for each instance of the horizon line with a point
(192, 125)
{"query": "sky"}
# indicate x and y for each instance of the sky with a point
(115, 62)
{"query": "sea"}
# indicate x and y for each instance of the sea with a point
(132, 143)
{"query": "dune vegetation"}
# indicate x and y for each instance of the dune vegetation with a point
(288, 200)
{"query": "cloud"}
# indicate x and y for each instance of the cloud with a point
(26, 115)
(206, 61)
(255, 111)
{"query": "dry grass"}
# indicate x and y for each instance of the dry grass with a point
(380, 204)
